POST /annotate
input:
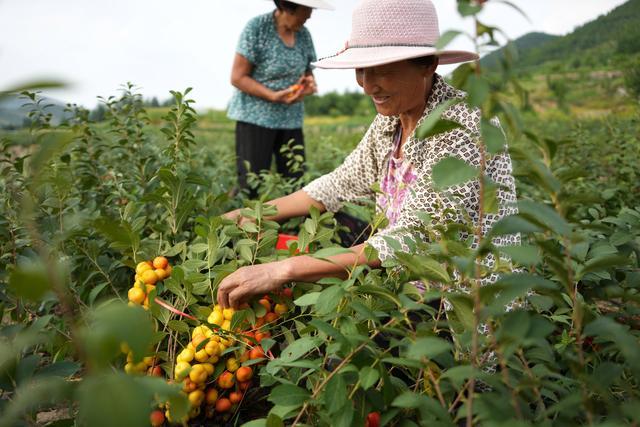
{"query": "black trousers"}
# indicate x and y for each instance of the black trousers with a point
(257, 145)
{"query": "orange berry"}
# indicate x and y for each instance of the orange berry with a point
(225, 380)
(162, 274)
(223, 405)
(235, 397)
(156, 371)
(266, 304)
(156, 418)
(211, 396)
(149, 277)
(160, 262)
(262, 335)
(188, 385)
(256, 353)
(271, 317)
(244, 386)
(244, 373)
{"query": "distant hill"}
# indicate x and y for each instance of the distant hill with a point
(14, 113)
(523, 45)
(596, 43)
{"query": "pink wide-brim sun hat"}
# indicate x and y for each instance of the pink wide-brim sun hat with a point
(386, 31)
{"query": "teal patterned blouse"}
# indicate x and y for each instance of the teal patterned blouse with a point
(277, 67)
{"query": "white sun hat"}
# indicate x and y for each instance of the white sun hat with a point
(386, 31)
(314, 4)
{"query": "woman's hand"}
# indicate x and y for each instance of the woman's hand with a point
(236, 216)
(243, 284)
(308, 83)
(286, 96)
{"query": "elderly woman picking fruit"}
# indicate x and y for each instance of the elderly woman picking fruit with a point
(392, 51)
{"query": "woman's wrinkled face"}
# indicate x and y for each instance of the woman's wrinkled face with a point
(396, 88)
(295, 20)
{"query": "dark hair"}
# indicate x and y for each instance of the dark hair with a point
(286, 5)
(424, 61)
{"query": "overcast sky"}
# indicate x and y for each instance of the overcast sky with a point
(95, 46)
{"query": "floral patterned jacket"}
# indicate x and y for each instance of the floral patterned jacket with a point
(366, 165)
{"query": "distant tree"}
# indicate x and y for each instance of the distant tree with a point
(154, 102)
(632, 77)
(560, 89)
(98, 113)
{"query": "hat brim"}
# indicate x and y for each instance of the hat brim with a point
(363, 57)
(314, 4)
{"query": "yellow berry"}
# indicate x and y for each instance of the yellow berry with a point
(208, 367)
(196, 398)
(186, 355)
(181, 370)
(228, 313)
(216, 318)
(143, 266)
(202, 356)
(198, 374)
(136, 295)
(232, 364)
(212, 348)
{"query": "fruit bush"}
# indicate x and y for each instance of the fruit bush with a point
(87, 207)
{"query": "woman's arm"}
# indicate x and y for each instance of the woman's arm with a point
(241, 79)
(295, 204)
(255, 280)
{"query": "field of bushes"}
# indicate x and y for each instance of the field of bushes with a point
(112, 247)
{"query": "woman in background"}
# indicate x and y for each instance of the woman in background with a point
(272, 72)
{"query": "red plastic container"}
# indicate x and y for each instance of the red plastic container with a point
(283, 239)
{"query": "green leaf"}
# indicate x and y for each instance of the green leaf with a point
(274, 421)
(328, 252)
(458, 374)
(329, 330)
(601, 263)
(115, 323)
(424, 267)
(289, 395)
(335, 394)
(368, 377)
(447, 38)
(297, 349)
(307, 299)
(427, 348)
(434, 118)
(99, 395)
(31, 281)
(30, 396)
(178, 326)
(329, 299)
(408, 400)
(440, 127)
(452, 171)
(544, 216)
(513, 224)
(608, 330)
(522, 254)
(477, 90)
(492, 136)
